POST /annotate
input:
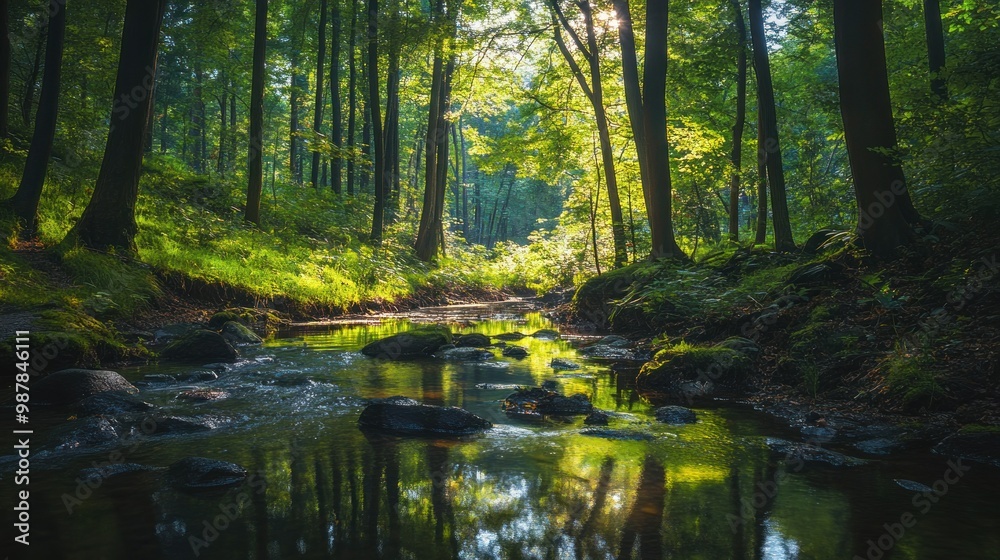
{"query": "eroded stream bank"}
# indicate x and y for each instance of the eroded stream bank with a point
(318, 487)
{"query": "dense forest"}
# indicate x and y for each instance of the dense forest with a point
(790, 204)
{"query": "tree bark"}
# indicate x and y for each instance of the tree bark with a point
(741, 109)
(318, 109)
(352, 98)
(336, 129)
(29, 89)
(293, 140)
(760, 235)
(633, 91)
(655, 126)
(29, 192)
(256, 159)
(935, 46)
(109, 219)
(869, 130)
(391, 129)
(378, 213)
(595, 93)
(4, 67)
(772, 147)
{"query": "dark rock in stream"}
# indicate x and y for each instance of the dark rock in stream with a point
(71, 385)
(169, 425)
(811, 454)
(516, 352)
(97, 475)
(415, 343)
(510, 336)
(410, 418)
(596, 418)
(158, 378)
(466, 354)
(978, 446)
(473, 340)
(92, 431)
(546, 334)
(238, 333)
(560, 363)
(198, 473)
(109, 403)
(200, 346)
(675, 415)
(538, 401)
(201, 376)
(203, 395)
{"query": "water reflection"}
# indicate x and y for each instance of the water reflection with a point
(539, 490)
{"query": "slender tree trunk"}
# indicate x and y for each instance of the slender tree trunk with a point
(232, 127)
(293, 140)
(633, 91)
(109, 219)
(595, 93)
(198, 119)
(741, 110)
(760, 235)
(364, 177)
(220, 166)
(869, 130)
(352, 97)
(4, 67)
(391, 130)
(935, 46)
(318, 113)
(655, 124)
(378, 213)
(29, 193)
(29, 90)
(256, 149)
(461, 178)
(336, 129)
(772, 148)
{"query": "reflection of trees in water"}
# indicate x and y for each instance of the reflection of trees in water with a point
(646, 517)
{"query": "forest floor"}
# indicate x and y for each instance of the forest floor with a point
(835, 333)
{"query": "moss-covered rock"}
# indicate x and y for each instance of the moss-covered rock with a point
(473, 340)
(595, 300)
(238, 333)
(202, 346)
(687, 372)
(221, 318)
(71, 385)
(417, 342)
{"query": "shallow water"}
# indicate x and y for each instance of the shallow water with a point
(320, 488)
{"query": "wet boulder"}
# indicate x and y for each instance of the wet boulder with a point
(158, 378)
(596, 418)
(543, 402)
(71, 385)
(516, 352)
(203, 395)
(96, 475)
(978, 444)
(200, 346)
(510, 336)
(546, 334)
(238, 333)
(473, 340)
(91, 432)
(685, 372)
(412, 418)
(675, 415)
(110, 403)
(199, 473)
(466, 354)
(415, 343)
(561, 363)
(170, 425)
(811, 454)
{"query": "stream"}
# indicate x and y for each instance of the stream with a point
(321, 488)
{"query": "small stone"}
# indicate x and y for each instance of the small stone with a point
(596, 418)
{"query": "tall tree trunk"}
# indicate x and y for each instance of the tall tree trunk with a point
(741, 110)
(220, 166)
(364, 177)
(633, 91)
(760, 235)
(293, 139)
(336, 128)
(109, 219)
(378, 213)
(318, 112)
(198, 120)
(935, 46)
(352, 97)
(772, 147)
(869, 130)
(595, 93)
(232, 127)
(461, 176)
(391, 130)
(255, 172)
(29, 192)
(4, 67)
(655, 125)
(29, 89)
